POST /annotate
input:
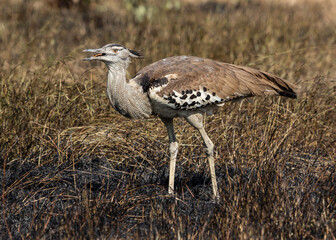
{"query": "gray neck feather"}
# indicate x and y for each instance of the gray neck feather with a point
(129, 100)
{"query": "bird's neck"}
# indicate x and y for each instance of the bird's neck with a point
(128, 99)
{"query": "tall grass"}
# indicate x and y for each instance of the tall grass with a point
(71, 167)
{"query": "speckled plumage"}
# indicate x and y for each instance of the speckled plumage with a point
(192, 83)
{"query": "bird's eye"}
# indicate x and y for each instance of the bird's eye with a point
(114, 50)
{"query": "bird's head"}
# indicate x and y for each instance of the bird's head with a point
(112, 54)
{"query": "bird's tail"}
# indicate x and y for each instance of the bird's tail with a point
(269, 84)
(283, 87)
(257, 83)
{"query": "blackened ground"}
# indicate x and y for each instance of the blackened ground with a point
(89, 199)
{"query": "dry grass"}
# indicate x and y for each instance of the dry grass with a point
(71, 167)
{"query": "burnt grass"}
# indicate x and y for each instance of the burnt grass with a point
(89, 199)
(73, 168)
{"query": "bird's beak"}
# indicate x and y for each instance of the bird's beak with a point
(98, 51)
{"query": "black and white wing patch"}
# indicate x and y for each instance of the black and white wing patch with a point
(188, 99)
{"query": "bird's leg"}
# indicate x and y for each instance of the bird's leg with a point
(209, 151)
(173, 148)
(196, 120)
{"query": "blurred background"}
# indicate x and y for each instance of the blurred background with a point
(71, 167)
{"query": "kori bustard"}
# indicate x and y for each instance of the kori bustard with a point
(182, 86)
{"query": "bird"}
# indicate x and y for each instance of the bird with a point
(188, 87)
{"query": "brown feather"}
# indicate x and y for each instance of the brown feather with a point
(224, 80)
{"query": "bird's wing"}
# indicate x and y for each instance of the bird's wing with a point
(190, 82)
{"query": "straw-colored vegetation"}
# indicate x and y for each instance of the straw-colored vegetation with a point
(72, 168)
